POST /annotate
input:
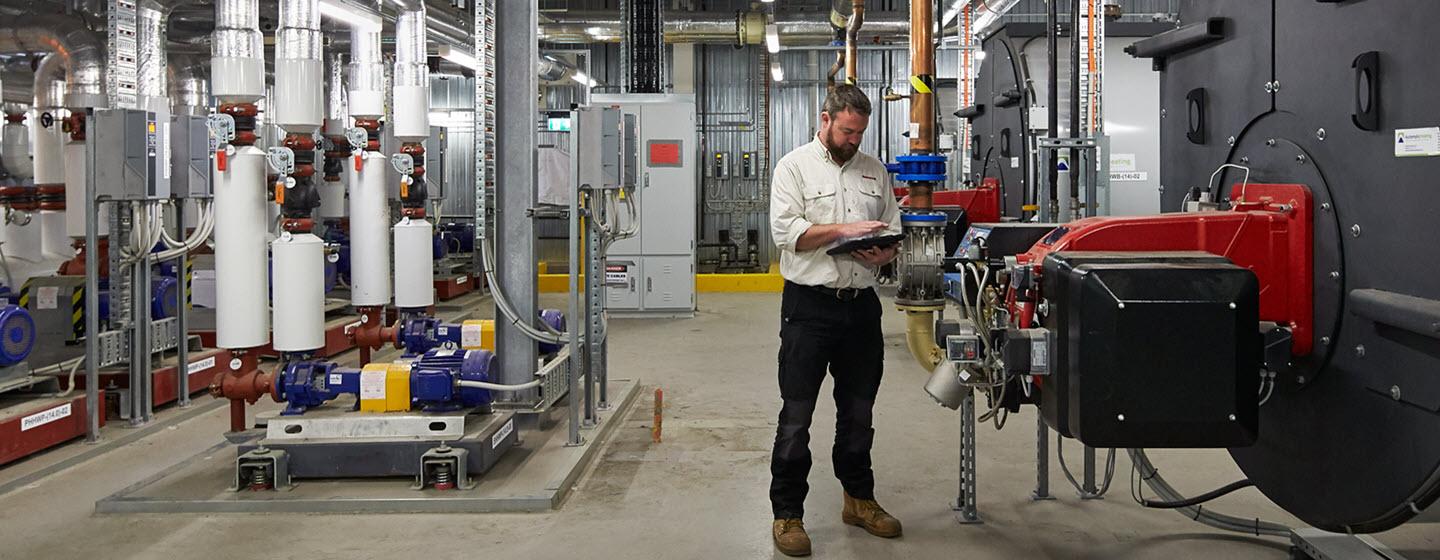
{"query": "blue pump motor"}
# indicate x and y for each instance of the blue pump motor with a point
(303, 385)
(556, 319)
(435, 377)
(164, 297)
(17, 335)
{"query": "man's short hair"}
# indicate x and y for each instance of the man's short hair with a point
(847, 97)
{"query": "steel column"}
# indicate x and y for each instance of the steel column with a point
(182, 347)
(516, 55)
(1042, 460)
(92, 294)
(966, 510)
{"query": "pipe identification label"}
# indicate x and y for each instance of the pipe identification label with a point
(499, 436)
(42, 418)
(202, 365)
(1417, 142)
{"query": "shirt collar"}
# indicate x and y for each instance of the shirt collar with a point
(824, 153)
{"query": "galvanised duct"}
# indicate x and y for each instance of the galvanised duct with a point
(82, 50)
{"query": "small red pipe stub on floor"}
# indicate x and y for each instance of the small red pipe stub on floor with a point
(659, 405)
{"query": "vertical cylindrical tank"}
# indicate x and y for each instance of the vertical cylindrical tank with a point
(369, 233)
(298, 297)
(242, 277)
(414, 267)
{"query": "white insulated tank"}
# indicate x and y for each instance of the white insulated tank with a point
(242, 279)
(414, 265)
(370, 233)
(332, 195)
(15, 150)
(299, 292)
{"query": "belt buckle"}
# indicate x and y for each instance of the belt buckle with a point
(847, 294)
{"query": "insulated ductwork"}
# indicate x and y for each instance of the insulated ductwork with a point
(237, 52)
(151, 69)
(82, 50)
(49, 83)
(189, 81)
(367, 74)
(411, 76)
(299, 71)
(718, 28)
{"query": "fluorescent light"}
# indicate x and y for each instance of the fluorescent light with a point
(582, 79)
(772, 38)
(350, 16)
(458, 57)
(777, 73)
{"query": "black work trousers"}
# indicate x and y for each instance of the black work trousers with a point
(820, 331)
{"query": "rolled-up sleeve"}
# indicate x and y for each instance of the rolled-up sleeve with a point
(787, 208)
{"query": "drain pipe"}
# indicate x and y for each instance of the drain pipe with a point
(298, 310)
(241, 257)
(369, 208)
(414, 268)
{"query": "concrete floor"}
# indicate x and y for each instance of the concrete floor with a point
(702, 493)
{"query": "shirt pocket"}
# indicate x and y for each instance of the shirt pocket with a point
(870, 201)
(819, 203)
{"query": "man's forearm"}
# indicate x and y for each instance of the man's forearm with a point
(819, 235)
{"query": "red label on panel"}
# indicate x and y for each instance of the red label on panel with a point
(665, 153)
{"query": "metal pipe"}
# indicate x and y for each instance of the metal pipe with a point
(1052, 32)
(49, 83)
(367, 74)
(82, 50)
(150, 67)
(411, 78)
(1075, 172)
(189, 84)
(730, 28)
(852, 39)
(922, 96)
(237, 52)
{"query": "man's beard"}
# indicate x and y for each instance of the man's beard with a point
(840, 152)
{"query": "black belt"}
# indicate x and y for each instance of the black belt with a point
(842, 294)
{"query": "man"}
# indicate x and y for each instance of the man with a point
(824, 193)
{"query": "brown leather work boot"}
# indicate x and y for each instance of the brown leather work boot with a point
(790, 537)
(870, 516)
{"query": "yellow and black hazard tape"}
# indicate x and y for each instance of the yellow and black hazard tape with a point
(185, 276)
(25, 295)
(77, 311)
(922, 84)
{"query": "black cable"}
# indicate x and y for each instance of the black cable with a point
(1200, 499)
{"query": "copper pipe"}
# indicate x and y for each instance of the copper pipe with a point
(922, 97)
(834, 69)
(852, 38)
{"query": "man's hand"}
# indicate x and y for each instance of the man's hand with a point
(876, 256)
(820, 235)
(861, 229)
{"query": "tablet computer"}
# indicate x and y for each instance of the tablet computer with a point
(865, 243)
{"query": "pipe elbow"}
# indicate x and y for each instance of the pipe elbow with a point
(920, 338)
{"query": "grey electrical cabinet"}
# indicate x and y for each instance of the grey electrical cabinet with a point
(658, 275)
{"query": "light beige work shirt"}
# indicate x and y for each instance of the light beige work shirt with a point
(810, 188)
